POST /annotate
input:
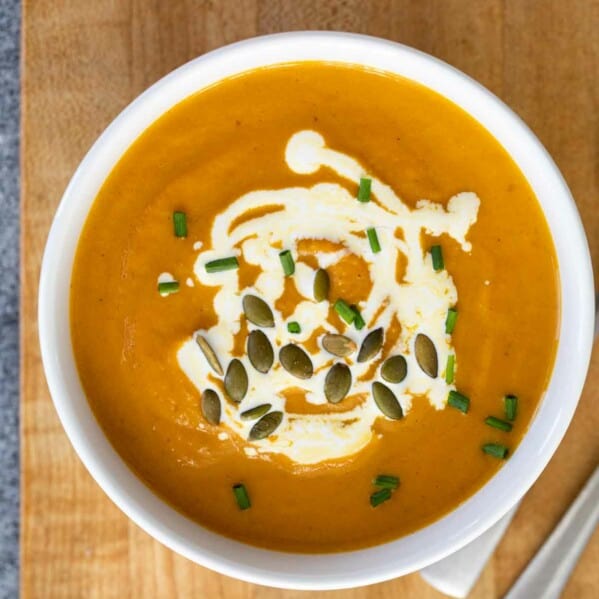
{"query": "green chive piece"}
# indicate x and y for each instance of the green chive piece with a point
(359, 322)
(458, 401)
(452, 317)
(180, 224)
(345, 311)
(380, 496)
(437, 256)
(364, 189)
(294, 327)
(168, 287)
(287, 262)
(241, 496)
(510, 403)
(222, 264)
(450, 369)
(386, 481)
(502, 425)
(496, 450)
(373, 240)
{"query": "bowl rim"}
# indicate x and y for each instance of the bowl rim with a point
(473, 516)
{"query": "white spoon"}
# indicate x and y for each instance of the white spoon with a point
(456, 574)
(549, 571)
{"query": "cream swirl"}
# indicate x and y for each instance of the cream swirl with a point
(328, 211)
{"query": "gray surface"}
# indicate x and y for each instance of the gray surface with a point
(9, 289)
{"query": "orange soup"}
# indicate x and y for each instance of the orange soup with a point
(314, 307)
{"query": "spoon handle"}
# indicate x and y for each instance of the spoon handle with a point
(547, 574)
(456, 574)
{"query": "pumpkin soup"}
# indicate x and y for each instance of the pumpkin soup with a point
(314, 307)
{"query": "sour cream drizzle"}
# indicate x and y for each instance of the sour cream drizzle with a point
(327, 211)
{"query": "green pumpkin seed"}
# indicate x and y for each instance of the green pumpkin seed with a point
(296, 361)
(260, 351)
(210, 405)
(337, 383)
(209, 354)
(322, 285)
(256, 412)
(426, 355)
(338, 345)
(394, 369)
(386, 401)
(265, 426)
(257, 311)
(236, 380)
(371, 345)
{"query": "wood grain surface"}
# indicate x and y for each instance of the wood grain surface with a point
(85, 60)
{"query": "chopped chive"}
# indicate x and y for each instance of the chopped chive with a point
(364, 189)
(222, 264)
(180, 224)
(294, 327)
(496, 450)
(380, 496)
(452, 317)
(287, 262)
(241, 496)
(449, 369)
(386, 481)
(502, 425)
(345, 311)
(168, 287)
(359, 322)
(458, 401)
(510, 403)
(373, 240)
(437, 256)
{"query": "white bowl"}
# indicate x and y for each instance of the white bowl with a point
(410, 553)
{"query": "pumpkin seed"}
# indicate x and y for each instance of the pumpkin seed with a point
(256, 412)
(256, 310)
(338, 345)
(210, 405)
(426, 355)
(371, 345)
(337, 383)
(209, 355)
(322, 285)
(265, 426)
(394, 369)
(296, 361)
(386, 401)
(236, 380)
(260, 351)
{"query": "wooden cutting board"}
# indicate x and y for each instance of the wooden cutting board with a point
(84, 61)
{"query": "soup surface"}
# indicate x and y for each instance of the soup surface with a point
(343, 250)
